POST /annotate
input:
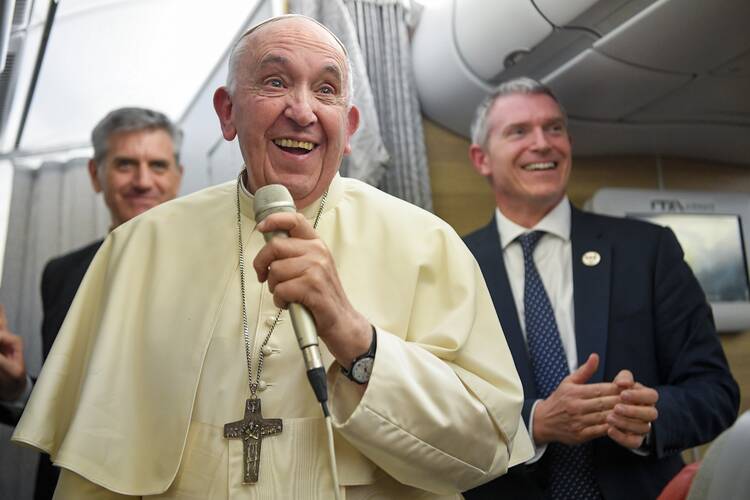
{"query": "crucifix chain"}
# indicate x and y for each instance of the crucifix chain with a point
(252, 428)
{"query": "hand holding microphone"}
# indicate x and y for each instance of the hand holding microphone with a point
(301, 273)
(272, 199)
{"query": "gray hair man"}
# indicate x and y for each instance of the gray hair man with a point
(136, 163)
(609, 329)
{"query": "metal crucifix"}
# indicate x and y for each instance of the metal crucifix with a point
(252, 429)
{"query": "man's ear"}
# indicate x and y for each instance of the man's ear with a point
(479, 160)
(223, 107)
(352, 124)
(95, 182)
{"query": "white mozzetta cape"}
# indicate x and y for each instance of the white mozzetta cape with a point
(150, 362)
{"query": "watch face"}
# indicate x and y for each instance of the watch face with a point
(362, 369)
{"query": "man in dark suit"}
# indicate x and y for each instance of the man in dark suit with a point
(610, 331)
(136, 167)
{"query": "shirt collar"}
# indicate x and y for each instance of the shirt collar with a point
(556, 222)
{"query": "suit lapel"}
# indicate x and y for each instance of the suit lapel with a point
(591, 285)
(489, 255)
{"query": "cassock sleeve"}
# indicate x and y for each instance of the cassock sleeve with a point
(442, 409)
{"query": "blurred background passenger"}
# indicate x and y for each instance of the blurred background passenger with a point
(136, 167)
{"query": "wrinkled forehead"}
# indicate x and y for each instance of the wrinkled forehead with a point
(524, 106)
(277, 38)
(291, 32)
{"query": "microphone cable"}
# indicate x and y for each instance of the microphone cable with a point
(317, 378)
(332, 452)
(275, 198)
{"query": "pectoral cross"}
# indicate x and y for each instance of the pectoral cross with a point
(252, 429)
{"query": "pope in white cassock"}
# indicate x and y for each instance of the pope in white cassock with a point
(152, 361)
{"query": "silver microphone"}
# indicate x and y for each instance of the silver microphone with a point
(271, 199)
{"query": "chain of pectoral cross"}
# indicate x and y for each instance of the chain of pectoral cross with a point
(253, 427)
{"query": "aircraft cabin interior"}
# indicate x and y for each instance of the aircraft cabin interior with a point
(657, 95)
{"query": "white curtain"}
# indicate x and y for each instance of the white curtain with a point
(53, 210)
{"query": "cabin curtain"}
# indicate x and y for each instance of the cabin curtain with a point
(382, 28)
(53, 210)
(381, 46)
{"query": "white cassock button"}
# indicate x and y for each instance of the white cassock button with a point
(267, 351)
(270, 320)
(591, 258)
(262, 386)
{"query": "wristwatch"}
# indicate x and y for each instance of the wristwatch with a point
(362, 365)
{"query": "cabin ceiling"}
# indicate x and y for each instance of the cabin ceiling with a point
(103, 54)
(666, 77)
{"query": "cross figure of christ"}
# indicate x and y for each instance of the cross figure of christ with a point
(252, 429)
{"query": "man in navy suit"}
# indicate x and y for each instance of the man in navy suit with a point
(136, 167)
(642, 373)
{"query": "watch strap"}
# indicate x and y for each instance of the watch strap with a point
(370, 353)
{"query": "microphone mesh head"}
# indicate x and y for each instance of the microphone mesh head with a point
(271, 199)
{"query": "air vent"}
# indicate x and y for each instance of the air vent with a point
(736, 68)
(6, 82)
(19, 13)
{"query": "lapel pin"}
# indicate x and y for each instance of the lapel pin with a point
(591, 258)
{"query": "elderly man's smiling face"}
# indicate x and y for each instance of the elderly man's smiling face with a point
(288, 107)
